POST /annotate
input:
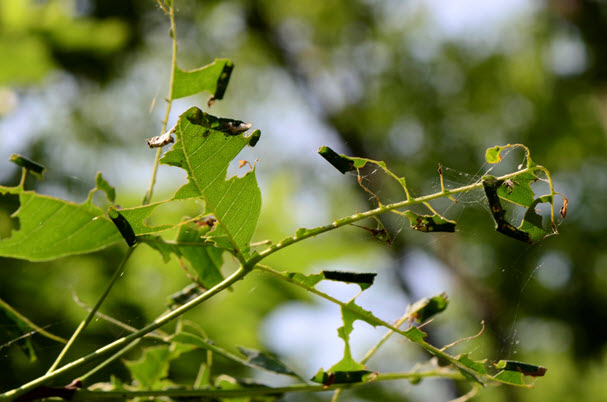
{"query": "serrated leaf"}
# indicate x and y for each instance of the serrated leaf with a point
(205, 145)
(430, 223)
(428, 307)
(212, 78)
(203, 258)
(33, 167)
(51, 228)
(524, 368)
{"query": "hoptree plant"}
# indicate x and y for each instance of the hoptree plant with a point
(204, 146)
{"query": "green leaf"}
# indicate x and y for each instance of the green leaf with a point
(33, 167)
(51, 228)
(430, 223)
(531, 228)
(524, 368)
(518, 189)
(103, 185)
(476, 365)
(364, 280)
(151, 370)
(415, 334)
(510, 377)
(203, 258)
(205, 145)
(212, 78)
(266, 361)
(347, 370)
(426, 308)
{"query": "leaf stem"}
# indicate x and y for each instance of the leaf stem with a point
(122, 342)
(86, 395)
(256, 258)
(117, 274)
(371, 319)
(169, 100)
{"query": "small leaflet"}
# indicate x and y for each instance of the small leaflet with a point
(33, 167)
(161, 140)
(123, 226)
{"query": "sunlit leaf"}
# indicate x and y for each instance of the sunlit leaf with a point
(205, 145)
(212, 78)
(51, 228)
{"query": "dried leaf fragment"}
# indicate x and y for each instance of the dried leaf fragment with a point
(161, 140)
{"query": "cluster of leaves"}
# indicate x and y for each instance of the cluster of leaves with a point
(204, 146)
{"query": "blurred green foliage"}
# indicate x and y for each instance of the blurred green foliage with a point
(382, 80)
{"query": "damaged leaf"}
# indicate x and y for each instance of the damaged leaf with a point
(212, 78)
(33, 167)
(430, 223)
(205, 145)
(524, 368)
(426, 308)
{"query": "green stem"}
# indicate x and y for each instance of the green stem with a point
(117, 274)
(375, 348)
(169, 100)
(377, 211)
(122, 342)
(371, 319)
(86, 395)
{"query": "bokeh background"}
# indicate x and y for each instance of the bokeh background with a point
(413, 83)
